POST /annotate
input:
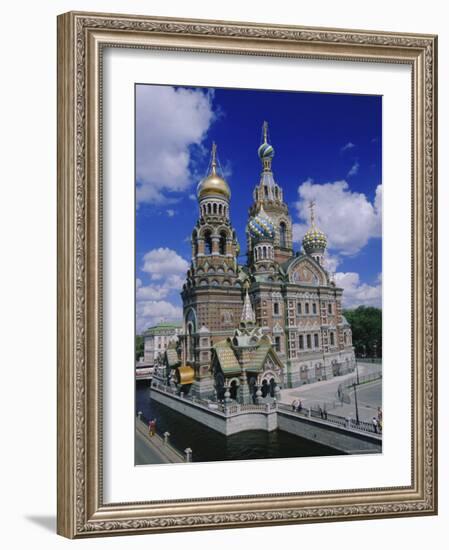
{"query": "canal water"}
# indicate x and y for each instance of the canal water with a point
(208, 445)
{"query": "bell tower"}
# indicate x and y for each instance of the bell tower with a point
(212, 295)
(269, 196)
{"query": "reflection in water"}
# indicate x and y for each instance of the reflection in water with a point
(208, 445)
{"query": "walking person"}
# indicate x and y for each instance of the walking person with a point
(379, 418)
(375, 425)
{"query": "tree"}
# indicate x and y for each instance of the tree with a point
(366, 326)
(139, 346)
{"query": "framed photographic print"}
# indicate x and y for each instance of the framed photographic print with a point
(247, 274)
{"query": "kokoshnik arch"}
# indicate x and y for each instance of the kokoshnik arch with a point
(276, 321)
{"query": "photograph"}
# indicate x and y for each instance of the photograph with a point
(258, 274)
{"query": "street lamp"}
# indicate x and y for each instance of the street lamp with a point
(354, 385)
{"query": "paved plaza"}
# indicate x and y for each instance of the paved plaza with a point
(324, 394)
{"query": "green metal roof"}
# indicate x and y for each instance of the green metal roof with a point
(162, 326)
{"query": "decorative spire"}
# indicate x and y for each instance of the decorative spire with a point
(248, 316)
(312, 213)
(265, 131)
(214, 158)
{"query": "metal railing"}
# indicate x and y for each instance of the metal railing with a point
(322, 414)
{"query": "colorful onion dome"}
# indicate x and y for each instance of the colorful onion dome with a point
(213, 184)
(261, 227)
(314, 241)
(265, 151)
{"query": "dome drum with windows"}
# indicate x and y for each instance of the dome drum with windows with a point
(261, 227)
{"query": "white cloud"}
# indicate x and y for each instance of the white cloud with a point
(348, 218)
(357, 293)
(354, 169)
(331, 262)
(161, 263)
(192, 197)
(151, 312)
(347, 146)
(170, 121)
(171, 212)
(158, 300)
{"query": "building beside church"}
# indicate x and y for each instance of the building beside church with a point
(276, 321)
(157, 340)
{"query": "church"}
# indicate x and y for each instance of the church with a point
(274, 322)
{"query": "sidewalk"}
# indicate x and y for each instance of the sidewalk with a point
(324, 394)
(153, 450)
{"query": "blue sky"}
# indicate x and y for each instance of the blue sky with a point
(327, 147)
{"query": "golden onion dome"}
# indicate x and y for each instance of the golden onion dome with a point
(213, 184)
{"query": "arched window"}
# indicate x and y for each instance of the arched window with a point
(208, 242)
(215, 207)
(282, 235)
(189, 343)
(265, 188)
(209, 208)
(195, 243)
(332, 339)
(222, 244)
(220, 209)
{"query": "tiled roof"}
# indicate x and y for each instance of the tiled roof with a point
(226, 357)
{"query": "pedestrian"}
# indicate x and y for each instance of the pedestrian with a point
(321, 412)
(150, 423)
(152, 426)
(375, 425)
(294, 405)
(325, 413)
(300, 406)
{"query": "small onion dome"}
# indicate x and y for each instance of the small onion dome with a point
(265, 151)
(213, 185)
(261, 227)
(314, 241)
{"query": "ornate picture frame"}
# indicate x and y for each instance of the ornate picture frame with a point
(82, 38)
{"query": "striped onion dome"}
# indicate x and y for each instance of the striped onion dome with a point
(261, 227)
(314, 241)
(265, 151)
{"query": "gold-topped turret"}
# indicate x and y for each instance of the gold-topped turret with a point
(213, 184)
